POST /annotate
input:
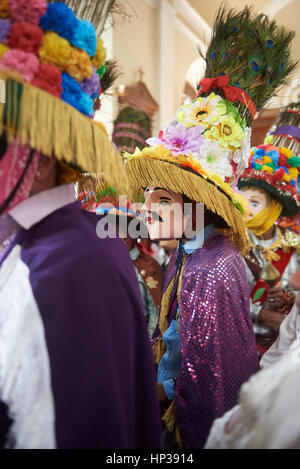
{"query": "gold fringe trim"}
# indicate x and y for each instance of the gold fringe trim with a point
(143, 172)
(53, 127)
(170, 420)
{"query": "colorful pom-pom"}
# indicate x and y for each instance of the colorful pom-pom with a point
(26, 37)
(267, 169)
(3, 50)
(49, 79)
(60, 19)
(5, 26)
(73, 95)
(91, 86)
(29, 10)
(84, 37)
(25, 63)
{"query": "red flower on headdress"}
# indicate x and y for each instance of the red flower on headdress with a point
(48, 78)
(26, 37)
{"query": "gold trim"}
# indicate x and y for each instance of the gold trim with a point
(53, 127)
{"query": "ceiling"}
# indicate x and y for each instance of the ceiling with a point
(285, 12)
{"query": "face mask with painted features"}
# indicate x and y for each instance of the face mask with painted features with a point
(163, 213)
(257, 199)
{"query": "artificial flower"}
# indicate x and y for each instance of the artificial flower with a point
(194, 163)
(202, 111)
(5, 26)
(60, 19)
(240, 156)
(228, 133)
(180, 140)
(100, 55)
(215, 159)
(25, 63)
(29, 10)
(25, 36)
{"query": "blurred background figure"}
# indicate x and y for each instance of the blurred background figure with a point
(271, 186)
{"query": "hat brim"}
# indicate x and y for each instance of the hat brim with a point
(143, 172)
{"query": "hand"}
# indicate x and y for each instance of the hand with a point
(271, 318)
(161, 392)
(275, 298)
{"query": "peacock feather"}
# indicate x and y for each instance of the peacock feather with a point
(253, 51)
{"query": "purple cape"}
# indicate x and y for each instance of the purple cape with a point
(102, 373)
(217, 341)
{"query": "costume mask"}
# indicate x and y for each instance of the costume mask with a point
(163, 212)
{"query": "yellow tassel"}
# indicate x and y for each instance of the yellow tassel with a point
(54, 127)
(143, 172)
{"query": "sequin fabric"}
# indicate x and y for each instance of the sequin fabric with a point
(217, 340)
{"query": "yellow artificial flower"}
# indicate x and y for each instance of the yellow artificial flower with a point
(100, 55)
(3, 49)
(228, 133)
(202, 111)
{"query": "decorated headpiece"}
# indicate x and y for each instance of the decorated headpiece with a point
(51, 63)
(203, 151)
(275, 165)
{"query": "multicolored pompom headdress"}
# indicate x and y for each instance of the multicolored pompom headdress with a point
(275, 165)
(52, 63)
(203, 151)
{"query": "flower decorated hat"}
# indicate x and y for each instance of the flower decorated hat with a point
(275, 165)
(52, 62)
(204, 150)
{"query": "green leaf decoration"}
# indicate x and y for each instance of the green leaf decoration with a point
(258, 294)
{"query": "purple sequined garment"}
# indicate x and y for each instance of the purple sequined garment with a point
(217, 340)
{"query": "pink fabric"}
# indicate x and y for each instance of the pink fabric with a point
(12, 166)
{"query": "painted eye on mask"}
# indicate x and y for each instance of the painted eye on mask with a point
(164, 202)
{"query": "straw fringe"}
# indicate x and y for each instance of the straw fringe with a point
(53, 127)
(143, 172)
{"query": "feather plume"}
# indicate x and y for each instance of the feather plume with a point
(253, 51)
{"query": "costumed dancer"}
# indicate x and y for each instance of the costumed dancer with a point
(76, 366)
(271, 186)
(206, 347)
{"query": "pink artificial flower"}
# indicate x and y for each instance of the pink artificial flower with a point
(179, 139)
(25, 63)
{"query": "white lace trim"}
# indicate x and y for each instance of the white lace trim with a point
(25, 384)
